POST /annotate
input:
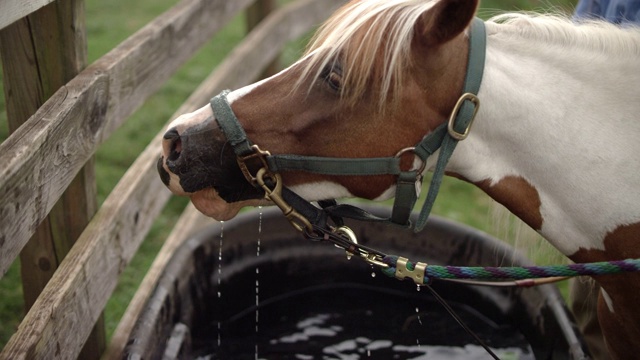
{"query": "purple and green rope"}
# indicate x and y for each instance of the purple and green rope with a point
(516, 273)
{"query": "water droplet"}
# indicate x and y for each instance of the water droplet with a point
(373, 274)
(417, 287)
(417, 310)
(220, 274)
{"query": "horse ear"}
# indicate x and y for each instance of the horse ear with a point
(445, 20)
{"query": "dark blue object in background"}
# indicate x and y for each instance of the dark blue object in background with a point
(615, 11)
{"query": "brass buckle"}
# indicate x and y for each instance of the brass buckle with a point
(298, 221)
(454, 114)
(257, 154)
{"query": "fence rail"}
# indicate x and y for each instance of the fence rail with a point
(43, 156)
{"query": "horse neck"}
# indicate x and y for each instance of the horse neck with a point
(555, 140)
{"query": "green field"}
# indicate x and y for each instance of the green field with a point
(110, 22)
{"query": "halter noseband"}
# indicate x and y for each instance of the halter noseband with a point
(306, 217)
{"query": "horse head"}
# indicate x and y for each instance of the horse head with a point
(376, 78)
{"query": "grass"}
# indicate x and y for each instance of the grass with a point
(110, 22)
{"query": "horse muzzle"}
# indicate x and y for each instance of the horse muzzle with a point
(196, 157)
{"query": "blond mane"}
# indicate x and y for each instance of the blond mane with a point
(367, 36)
(372, 41)
(601, 36)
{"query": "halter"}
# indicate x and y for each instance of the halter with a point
(445, 138)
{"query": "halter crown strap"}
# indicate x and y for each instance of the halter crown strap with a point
(444, 138)
(464, 117)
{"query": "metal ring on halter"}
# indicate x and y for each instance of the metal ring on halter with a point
(423, 164)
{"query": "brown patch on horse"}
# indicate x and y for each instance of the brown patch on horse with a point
(621, 327)
(517, 195)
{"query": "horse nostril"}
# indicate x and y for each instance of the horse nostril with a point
(173, 144)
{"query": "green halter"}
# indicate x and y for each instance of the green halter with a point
(445, 138)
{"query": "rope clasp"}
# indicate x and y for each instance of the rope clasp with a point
(416, 274)
(354, 249)
(274, 194)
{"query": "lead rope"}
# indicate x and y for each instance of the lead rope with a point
(344, 238)
(460, 322)
(526, 275)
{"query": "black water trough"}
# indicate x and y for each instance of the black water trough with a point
(313, 303)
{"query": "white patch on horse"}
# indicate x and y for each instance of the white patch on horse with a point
(321, 191)
(566, 122)
(185, 121)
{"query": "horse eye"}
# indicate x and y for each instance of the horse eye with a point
(334, 80)
(332, 76)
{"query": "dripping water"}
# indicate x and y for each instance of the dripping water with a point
(419, 322)
(258, 278)
(418, 315)
(220, 275)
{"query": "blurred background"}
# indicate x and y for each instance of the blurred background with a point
(109, 22)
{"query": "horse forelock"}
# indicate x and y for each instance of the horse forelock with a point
(372, 42)
(597, 35)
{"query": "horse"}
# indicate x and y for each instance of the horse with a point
(554, 140)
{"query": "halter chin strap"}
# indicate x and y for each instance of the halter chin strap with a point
(443, 138)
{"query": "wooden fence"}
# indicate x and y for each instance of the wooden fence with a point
(59, 111)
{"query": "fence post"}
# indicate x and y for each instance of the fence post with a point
(256, 13)
(41, 53)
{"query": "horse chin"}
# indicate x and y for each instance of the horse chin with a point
(209, 203)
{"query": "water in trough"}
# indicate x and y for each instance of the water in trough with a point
(304, 300)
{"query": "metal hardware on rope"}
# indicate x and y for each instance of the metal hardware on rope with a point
(416, 273)
(344, 238)
(346, 231)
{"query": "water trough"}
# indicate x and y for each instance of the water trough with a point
(314, 303)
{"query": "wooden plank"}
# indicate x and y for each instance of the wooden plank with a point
(60, 320)
(41, 158)
(14, 10)
(190, 221)
(82, 285)
(267, 40)
(44, 51)
(230, 74)
(254, 15)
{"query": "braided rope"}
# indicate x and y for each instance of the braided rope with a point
(516, 273)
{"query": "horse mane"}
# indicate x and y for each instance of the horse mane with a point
(595, 35)
(371, 40)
